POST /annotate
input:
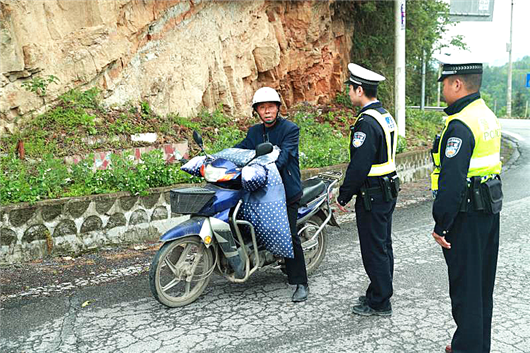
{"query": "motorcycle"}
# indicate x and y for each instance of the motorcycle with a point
(193, 250)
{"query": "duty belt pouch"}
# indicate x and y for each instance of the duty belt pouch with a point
(395, 186)
(476, 196)
(387, 189)
(491, 191)
(367, 202)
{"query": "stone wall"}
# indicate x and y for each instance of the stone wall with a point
(73, 225)
(178, 55)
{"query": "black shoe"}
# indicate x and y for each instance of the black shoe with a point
(363, 300)
(365, 310)
(301, 293)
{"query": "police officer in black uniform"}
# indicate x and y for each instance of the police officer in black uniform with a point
(371, 175)
(468, 199)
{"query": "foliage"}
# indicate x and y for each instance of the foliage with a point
(24, 181)
(494, 84)
(421, 128)
(39, 85)
(320, 144)
(324, 141)
(373, 45)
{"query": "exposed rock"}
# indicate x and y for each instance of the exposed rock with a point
(116, 220)
(18, 217)
(8, 236)
(66, 227)
(35, 232)
(179, 55)
(49, 213)
(90, 224)
(159, 213)
(77, 208)
(138, 217)
(127, 202)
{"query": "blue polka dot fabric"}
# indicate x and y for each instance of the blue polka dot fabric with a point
(193, 166)
(265, 207)
(264, 203)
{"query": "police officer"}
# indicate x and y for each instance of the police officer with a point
(468, 198)
(284, 134)
(371, 175)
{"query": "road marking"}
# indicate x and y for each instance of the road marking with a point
(514, 135)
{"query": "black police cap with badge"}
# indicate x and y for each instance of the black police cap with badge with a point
(459, 65)
(363, 77)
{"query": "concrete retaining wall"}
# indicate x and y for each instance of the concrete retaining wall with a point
(74, 225)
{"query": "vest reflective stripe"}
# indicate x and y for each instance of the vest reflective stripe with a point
(388, 124)
(485, 159)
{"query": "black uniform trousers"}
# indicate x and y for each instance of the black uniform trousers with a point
(295, 268)
(472, 264)
(375, 228)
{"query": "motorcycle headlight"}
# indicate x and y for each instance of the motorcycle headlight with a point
(213, 174)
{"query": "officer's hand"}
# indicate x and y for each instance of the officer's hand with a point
(342, 208)
(441, 240)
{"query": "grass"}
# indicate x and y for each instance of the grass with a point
(77, 116)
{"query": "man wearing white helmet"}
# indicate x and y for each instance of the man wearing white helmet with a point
(371, 175)
(284, 134)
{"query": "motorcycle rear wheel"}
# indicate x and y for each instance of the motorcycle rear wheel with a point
(180, 271)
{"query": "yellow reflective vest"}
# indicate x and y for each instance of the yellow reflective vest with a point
(389, 126)
(485, 159)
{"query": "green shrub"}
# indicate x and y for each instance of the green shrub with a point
(320, 144)
(23, 181)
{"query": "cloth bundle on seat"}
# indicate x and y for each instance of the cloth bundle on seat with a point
(264, 203)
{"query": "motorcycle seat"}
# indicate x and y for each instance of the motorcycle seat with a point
(311, 188)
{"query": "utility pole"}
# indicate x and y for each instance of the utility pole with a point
(422, 103)
(439, 84)
(399, 70)
(509, 90)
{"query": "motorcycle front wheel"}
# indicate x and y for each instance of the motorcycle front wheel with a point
(314, 249)
(180, 271)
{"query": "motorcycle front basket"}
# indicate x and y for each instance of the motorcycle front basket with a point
(189, 200)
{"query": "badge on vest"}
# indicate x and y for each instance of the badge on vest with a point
(358, 139)
(390, 123)
(453, 146)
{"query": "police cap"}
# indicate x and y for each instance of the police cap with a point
(459, 65)
(363, 77)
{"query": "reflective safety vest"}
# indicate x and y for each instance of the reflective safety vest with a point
(389, 126)
(486, 158)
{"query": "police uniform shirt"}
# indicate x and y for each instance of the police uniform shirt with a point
(455, 155)
(367, 147)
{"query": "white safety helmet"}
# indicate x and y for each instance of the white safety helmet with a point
(265, 94)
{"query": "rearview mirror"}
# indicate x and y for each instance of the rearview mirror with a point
(263, 149)
(197, 138)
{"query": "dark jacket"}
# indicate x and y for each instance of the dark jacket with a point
(284, 134)
(373, 150)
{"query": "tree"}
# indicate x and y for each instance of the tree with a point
(373, 43)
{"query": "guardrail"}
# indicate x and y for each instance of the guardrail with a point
(436, 109)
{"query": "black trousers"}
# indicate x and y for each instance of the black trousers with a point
(472, 264)
(295, 268)
(375, 228)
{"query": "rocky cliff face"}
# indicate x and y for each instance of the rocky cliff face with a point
(179, 55)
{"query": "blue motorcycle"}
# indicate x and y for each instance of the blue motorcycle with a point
(214, 236)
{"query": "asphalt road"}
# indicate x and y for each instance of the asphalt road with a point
(116, 312)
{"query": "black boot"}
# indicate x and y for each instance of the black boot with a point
(301, 293)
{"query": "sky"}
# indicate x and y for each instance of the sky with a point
(488, 40)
